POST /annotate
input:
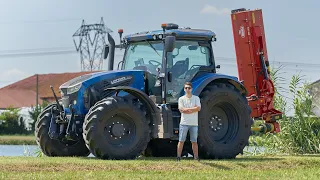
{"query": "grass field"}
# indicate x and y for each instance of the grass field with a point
(17, 140)
(255, 167)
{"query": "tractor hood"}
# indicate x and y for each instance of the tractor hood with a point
(83, 91)
(112, 78)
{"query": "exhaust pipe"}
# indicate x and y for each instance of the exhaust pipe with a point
(111, 52)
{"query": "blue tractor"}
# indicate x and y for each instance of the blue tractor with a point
(121, 114)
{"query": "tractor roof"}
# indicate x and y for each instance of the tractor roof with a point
(180, 33)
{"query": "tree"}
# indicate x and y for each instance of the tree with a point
(34, 113)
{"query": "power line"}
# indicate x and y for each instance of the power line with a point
(35, 52)
(40, 21)
(43, 53)
(34, 49)
(39, 49)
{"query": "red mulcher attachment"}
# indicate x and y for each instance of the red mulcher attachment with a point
(253, 66)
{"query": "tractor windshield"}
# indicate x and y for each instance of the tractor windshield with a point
(147, 55)
(144, 55)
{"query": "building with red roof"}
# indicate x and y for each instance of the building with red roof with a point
(23, 92)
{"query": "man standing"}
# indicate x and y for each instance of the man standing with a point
(189, 106)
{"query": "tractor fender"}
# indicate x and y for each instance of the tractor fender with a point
(151, 108)
(201, 83)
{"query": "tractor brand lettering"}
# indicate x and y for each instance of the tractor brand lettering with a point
(242, 32)
(120, 79)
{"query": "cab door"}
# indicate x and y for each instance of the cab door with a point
(187, 58)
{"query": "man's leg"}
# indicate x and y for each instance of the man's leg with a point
(180, 148)
(195, 150)
(193, 139)
(183, 130)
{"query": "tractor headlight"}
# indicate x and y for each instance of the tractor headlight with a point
(74, 88)
(154, 37)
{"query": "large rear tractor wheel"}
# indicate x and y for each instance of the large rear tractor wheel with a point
(52, 147)
(224, 122)
(116, 128)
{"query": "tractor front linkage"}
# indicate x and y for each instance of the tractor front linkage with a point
(59, 120)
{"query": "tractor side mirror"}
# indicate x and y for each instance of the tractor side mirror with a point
(106, 52)
(169, 76)
(170, 42)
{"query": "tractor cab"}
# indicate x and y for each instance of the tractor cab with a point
(170, 57)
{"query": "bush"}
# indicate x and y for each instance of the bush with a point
(11, 123)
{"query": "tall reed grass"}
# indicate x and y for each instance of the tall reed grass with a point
(300, 132)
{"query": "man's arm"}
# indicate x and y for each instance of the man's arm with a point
(195, 109)
(197, 106)
(180, 105)
(183, 109)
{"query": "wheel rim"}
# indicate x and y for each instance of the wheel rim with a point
(223, 123)
(120, 130)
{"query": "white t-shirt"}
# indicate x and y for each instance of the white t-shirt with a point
(185, 102)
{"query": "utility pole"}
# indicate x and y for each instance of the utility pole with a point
(37, 90)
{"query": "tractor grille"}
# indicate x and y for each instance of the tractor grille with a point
(107, 94)
(67, 98)
(65, 101)
(103, 85)
(98, 91)
(104, 94)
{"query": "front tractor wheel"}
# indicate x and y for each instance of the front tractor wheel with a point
(224, 122)
(54, 147)
(116, 128)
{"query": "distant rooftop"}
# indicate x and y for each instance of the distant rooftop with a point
(23, 92)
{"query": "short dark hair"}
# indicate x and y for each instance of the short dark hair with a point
(188, 83)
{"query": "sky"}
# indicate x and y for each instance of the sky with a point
(48, 25)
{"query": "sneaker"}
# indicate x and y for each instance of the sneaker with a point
(178, 159)
(197, 159)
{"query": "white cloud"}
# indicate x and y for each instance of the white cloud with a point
(11, 75)
(209, 9)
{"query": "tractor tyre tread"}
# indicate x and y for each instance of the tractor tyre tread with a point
(211, 150)
(104, 109)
